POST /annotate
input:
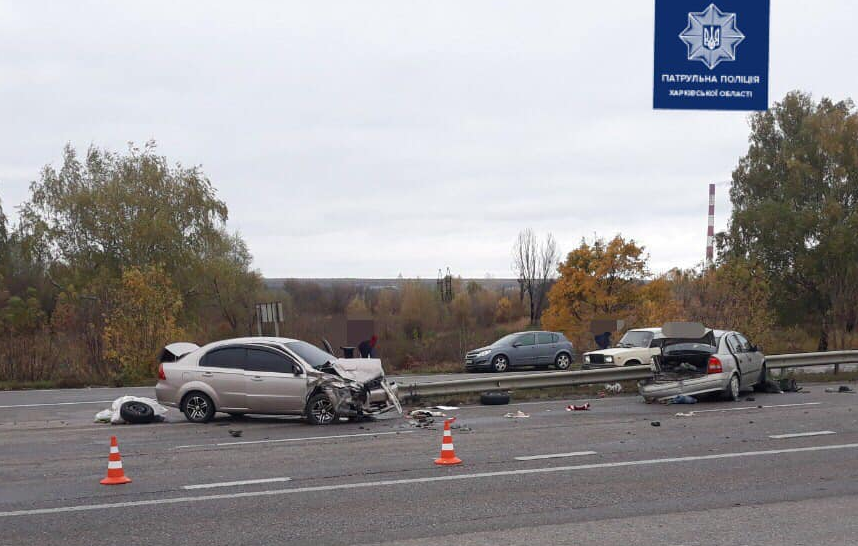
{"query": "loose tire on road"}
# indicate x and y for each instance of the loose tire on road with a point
(320, 410)
(563, 361)
(136, 413)
(494, 398)
(198, 407)
(500, 363)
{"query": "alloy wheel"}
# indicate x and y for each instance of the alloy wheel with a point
(500, 364)
(323, 411)
(197, 407)
(563, 362)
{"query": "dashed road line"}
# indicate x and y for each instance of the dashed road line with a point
(758, 407)
(56, 404)
(802, 434)
(306, 438)
(555, 456)
(236, 483)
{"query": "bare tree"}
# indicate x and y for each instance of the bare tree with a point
(535, 266)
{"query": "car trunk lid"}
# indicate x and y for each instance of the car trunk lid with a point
(685, 352)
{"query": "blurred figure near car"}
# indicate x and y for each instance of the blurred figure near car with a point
(603, 340)
(366, 348)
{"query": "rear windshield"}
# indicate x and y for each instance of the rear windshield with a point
(691, 347)
(311, 354)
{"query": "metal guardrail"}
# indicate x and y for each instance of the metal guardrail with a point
(799, 360)
(588, 377)
(525, 381)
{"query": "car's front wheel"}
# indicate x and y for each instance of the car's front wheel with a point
(198, 407)
(500, 363)
(563, 361)
(320, 410)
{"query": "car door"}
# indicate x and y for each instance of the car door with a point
(523, 351)
(546, 347)
(738, 352)
(753, 357)
(223, 370)
(275, 382)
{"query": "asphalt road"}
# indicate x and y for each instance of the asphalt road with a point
(729, 473)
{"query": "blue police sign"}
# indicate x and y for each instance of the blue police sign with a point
(711, 55)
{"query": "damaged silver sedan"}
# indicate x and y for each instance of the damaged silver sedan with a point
(271, 375)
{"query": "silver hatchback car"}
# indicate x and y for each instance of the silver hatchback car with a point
(271, 375)
(708, 361)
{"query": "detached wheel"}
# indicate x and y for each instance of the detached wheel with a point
(198, 407)
(494, 398)
(500, 364)
(320, 410)
(136, 413)
(732, 391)
(563, 361)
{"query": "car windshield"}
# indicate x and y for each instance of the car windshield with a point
(636, 338)
(506, 340)
(311, 354)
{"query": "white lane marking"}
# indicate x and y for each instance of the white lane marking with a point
(57, 404)
(231, 484)
(758, 407)
(249, 442)
(431, 479)
(802, 434)
(555, 455)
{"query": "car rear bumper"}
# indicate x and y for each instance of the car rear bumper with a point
(696, 385)
(166, 394)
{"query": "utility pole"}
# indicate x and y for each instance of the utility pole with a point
(710, 230)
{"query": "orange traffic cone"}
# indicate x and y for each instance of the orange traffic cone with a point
(115, 474)
(448, 454)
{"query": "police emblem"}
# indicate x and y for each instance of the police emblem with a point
(711, 36)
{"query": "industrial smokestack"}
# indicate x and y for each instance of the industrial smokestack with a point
(710, 231)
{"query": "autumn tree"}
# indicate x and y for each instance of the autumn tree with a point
(794, 198)
(597, 280)
(534, 263)
(107, 212)
(142, 320)
(503, 310)
(735, 295)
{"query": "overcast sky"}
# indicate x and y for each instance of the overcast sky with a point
(368, 138)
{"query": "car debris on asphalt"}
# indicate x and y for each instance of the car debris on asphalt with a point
(688, 414)
(517, 415)
(682, 399)
(841, 388)
(425, 413)
(614, 388)
(132, 410)
(581, 407)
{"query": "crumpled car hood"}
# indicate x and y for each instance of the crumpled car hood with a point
(359, 369)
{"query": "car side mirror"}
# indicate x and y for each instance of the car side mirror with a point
(755, 348)
(516, 344)
(296, 370)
